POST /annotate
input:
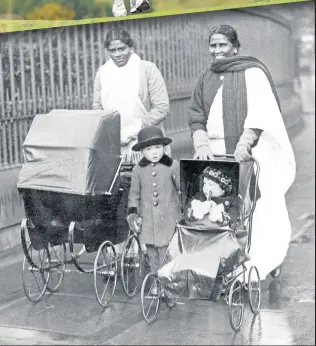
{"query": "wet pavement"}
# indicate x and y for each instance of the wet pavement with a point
(73, 316)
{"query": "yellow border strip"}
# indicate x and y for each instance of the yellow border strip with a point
(7, 25)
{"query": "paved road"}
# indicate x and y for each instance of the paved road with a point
(72, 316)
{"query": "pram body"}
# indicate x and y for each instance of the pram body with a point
(202, 253)
(71, 188)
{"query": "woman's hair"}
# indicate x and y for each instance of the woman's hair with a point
(227, 31)
(118, 34)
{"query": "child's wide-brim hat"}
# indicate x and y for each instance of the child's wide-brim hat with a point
(150, 135)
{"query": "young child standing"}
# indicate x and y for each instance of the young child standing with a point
(153, 199)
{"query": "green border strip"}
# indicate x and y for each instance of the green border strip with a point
(7, 25)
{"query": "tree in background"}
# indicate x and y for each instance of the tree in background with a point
(51, 11)
(82, 8)
(89, 8)
(169, 5)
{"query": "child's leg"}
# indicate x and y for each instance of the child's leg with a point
(153, 255)
(161, 251)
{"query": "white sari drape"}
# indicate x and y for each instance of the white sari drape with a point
(120, 90)
(271, 231)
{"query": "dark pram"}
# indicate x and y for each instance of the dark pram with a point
(203, 256)
(72, 190)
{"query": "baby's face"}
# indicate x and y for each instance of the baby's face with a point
(210, 186)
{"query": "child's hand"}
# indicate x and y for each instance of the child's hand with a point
(134, 222)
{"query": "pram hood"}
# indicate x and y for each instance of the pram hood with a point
(71, 151)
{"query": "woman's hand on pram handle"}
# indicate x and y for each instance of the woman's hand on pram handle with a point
(246, 142)
(242, 154)
(201, 147)
(203, 153)
(134, 222)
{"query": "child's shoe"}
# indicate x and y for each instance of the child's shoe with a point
(170, 302)
(119, 9)
(139, 6)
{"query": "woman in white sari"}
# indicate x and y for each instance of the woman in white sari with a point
(235, 109)
(131, 86)
(136, 89)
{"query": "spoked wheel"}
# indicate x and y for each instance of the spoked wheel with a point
(131, 265)
(105, 273)
(58, 259)
(35, 275)
(236, 305)
(150, 296)
(254, 289)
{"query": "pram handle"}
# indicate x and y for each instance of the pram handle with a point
(225, 155)
(109, 192)
(250, 216)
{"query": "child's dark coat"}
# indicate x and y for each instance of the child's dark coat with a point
(154, 195)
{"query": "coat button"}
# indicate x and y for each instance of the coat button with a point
(155, 194)
(155, 203)
(155, 184)
(154, 174)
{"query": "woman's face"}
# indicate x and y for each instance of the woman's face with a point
(211, 188)
(119, 52)
(221, 47)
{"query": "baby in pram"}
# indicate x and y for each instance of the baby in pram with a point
(216, 210)
(216, 204)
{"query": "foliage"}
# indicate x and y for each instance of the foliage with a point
(51, 11)
(103, 8)
(174, 5)
(82, 8)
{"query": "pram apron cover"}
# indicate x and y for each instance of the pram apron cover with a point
(198, 254)
(194, 259)
(71, 151)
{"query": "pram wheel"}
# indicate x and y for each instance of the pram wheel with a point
(254, 289)
(58, 261)
(236, 305)
(35, 275)
(150, 296)
(105, 273)
(131, 265)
